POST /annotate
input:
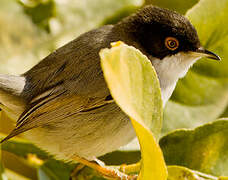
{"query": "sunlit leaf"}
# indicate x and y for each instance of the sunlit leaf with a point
(134, 86)
(51, 168)
(55, 170)
(181, 173)
(204, 149)
(11, 175)
(223, 178)
(139, 92)
(22, 148)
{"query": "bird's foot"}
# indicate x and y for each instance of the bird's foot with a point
(105, 171)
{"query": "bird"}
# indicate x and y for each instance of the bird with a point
(63, 104)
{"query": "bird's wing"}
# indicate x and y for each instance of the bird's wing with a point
(70, 80)
(56, 106)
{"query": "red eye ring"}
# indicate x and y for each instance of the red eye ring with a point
(171, 43)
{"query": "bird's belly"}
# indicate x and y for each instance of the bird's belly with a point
(88, 134)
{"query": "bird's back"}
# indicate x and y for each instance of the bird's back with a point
(76, 65)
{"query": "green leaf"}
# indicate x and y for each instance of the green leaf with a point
(207, 17)
(51, 168)
(176, 5)
(34, 8)
(55, 170)
(121, 157)
(134, 86)
(202, 95)
(22, 148)
(2, 170)
(181, 173)
(42, 175)
(223, 178)
(11, 175)
(204, 149)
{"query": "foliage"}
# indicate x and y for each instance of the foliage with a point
(129, 74)
(27, 35)
(203, 149)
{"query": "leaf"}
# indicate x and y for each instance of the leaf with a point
(134, 86)
(14, 176)
(42, 175)
(121, 157)
(212, 15)
(55, 170)
(223, 178)
(34, 8)
(204, 149)
(177, 5)
(2, 170)
(128, 82)
(181, 173)
(202, 95)
(22, 148)
(51, 168)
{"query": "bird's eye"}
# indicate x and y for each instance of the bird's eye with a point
(171, 43)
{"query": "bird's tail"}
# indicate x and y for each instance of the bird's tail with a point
(11, 88)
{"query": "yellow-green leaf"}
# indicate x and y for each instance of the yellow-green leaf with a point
(223, 178)
(181, 173)
(134, 86)
(131, 78)
(2, 171)
(204, 149)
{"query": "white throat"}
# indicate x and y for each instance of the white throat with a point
(170, 69)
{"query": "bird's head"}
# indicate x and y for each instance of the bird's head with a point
(163, 33)
(169, 40)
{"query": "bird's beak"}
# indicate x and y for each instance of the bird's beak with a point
(201, 52)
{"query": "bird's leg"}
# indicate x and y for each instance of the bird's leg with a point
(106, 172)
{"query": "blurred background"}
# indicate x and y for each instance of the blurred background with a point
(31, 29)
